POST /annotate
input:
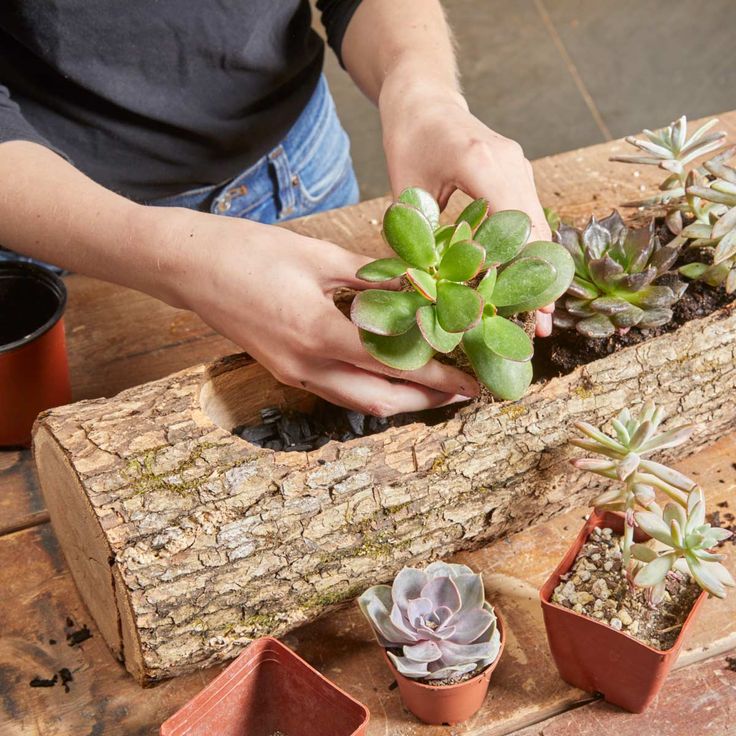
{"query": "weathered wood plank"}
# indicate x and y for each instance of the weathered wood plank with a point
(700, 699)
(525, 688)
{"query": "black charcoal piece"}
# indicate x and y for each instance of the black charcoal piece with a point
(270, 414)
(77, 637)
(257, 434)
(66, 678)
(356, 420)
(41, 682)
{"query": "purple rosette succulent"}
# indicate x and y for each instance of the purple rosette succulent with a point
(437, 618)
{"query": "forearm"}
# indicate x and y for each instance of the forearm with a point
(403, 42)
(51, 211)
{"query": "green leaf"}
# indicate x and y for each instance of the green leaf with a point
(441, 340)
(505, 379)
(693, 270)
(521, 281)
(410, 234)
(384, 269)
(424, 202)
(503, 234)
(442, 236)
(556, 255)
(462, 261)
(423, 282)
(507, 339)
(386, 312)
(474, 213)
(458, 306)
(405, 352)
(462, 232)
(488, 284)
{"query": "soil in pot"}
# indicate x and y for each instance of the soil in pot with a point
(596, 587)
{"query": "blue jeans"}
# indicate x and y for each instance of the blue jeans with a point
(309, 171)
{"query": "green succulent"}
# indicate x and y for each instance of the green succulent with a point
(688, 548)
(719, 232)
(621, 278)
(671, 149)
(465, 281)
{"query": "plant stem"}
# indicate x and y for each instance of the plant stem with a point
(628, 524)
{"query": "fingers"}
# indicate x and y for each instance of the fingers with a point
(368, 393)
(342, 342)
(344, 264)
(544, 324)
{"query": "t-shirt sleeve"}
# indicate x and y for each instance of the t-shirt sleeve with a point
(336, 15)
(14, 127)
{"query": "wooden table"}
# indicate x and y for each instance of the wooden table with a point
(118, 338)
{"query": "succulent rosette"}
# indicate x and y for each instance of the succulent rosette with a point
(434, 623)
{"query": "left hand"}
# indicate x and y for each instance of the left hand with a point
(432, 140)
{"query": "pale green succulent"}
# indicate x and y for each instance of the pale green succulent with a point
(625, 459)
(688, 548)
(622, 278)
(671, 149)
(466, 281)
(719, 233)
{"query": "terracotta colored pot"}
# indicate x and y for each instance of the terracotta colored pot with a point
(447, 705)
(34, 374)
(594, 657)
(268, 689)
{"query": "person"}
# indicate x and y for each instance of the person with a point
(127, 130)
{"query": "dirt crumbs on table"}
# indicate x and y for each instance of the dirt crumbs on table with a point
(725, 520)
(731, 664)
(596, 587)
(74, 635)
(63, 676)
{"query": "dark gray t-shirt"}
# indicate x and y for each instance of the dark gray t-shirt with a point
(154, 97)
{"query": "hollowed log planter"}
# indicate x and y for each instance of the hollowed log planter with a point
(591, 655)
(186, 542)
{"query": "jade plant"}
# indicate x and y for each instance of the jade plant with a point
(686, 540)
(699, 202)
(463, 285)
(622, 278)
(435, 624)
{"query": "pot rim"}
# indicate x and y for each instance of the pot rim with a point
(48, 279)
(558, 572)
(446, 688)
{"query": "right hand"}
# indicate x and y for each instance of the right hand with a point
(271, 291)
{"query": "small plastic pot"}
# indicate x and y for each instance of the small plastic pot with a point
(447, 705)
(268, 689)
(592, 656)
(34, 373)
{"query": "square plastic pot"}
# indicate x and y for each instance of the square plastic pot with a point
(592, 656)
(268, 689)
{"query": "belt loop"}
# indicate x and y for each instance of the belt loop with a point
(285, 179)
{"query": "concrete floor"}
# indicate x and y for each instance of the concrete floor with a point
(561, 74)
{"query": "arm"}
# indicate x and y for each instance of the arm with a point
(401, 55)
(231, 272)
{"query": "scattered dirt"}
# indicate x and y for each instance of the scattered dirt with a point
(597, 587)
(731, 664)
(75, 636)
(725, 520)
(63, 676)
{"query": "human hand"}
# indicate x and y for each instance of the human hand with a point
(271, 292)
(432, 141)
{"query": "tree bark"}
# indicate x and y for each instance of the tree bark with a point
(186, 542)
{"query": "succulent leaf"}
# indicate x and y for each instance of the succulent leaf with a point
(507, 339)
(410, 234)
(459, 307)
(406, 352)
(386, 312)
(424, 202)
(383, 269)
(441, 340)
(462, 261)
(462, 232)
(505, 379)
(474, 213)
(488, 284)
(503, 235)
(522, 281)
(423, 282)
